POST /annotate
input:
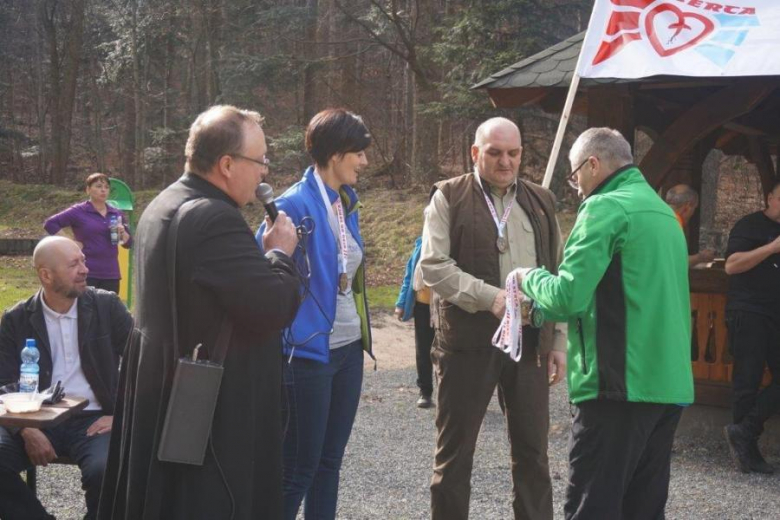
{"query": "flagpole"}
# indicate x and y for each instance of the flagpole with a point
(575, 82)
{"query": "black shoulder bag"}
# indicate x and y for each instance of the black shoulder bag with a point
(196, 383)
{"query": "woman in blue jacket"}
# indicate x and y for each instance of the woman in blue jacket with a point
(414, 300)
(325, 343)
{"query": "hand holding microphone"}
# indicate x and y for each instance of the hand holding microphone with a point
(279, 232)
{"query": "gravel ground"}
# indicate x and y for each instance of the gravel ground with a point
(387, 468)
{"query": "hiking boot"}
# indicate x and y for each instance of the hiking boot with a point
(740, 447)
(757, 462)
(424, 401)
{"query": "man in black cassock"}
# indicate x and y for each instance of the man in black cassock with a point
(219, 271)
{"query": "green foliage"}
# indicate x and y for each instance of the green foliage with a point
(23, 208)
(383, 297)
(288, 149)
(17, 280)
(485, 37)
(248, 69)
(390, 221)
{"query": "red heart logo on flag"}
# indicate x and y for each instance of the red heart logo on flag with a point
(671, 30)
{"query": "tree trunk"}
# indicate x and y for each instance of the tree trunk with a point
(128, 137)
(425, 148)
(40, 97)
(310, 85)
(137, 149)
(213, 24)
(63, 80)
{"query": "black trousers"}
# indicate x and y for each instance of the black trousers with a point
(423, 339)
(754, 340)
(619, 458)
(103, 283)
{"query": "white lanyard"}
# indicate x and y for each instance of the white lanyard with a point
(509, 335)
(500, 225)
(337, 223)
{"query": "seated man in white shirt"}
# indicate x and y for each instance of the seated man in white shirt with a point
(80, 332)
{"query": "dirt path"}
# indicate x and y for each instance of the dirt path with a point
(393, 343)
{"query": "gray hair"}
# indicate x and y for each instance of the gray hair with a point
(682, 194)
(607, 144)
(484, 129)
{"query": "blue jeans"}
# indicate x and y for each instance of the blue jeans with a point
(17, 501)
(319, 406)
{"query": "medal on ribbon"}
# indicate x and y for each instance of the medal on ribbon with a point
(339, 228)
(502, 243)
(343, 247)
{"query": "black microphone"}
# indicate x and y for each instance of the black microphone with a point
(265, 194)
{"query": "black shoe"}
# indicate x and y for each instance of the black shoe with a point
(739, 446)
(757, 462)
(424, 401)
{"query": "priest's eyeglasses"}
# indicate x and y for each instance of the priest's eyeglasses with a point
(265, 161)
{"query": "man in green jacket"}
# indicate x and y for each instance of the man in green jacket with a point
(623, 288)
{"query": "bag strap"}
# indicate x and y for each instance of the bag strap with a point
(226, 328)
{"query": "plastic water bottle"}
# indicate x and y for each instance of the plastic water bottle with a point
(114, 227)
(28, 382)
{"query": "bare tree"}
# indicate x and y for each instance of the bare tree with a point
(63, 74)
(409, 35)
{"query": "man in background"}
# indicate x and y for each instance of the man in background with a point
(80, 333)
(753, 320)
(684, 201)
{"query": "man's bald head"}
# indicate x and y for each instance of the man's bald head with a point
(682, 194)
(61, 269)
(51, 250)
(683, 200)
(497, 152)
(496, 125)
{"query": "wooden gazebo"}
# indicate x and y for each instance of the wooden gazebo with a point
(686, 118)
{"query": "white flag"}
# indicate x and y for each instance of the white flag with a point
(640, 38)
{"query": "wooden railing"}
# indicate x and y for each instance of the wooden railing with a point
(710, 354)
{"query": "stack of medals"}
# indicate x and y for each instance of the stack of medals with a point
(519, 309)
(509, 335)
(531, 312)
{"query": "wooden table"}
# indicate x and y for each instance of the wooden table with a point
(48, 416)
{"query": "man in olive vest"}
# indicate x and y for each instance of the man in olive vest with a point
(479, 227)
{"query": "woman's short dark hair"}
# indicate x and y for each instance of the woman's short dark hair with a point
(96, 177)
(217, 132)
(335, 131)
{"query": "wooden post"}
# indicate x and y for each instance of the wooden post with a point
(698, 121)
(575, 82)
(612, 106)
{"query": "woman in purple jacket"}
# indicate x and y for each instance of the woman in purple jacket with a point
(90, 222)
